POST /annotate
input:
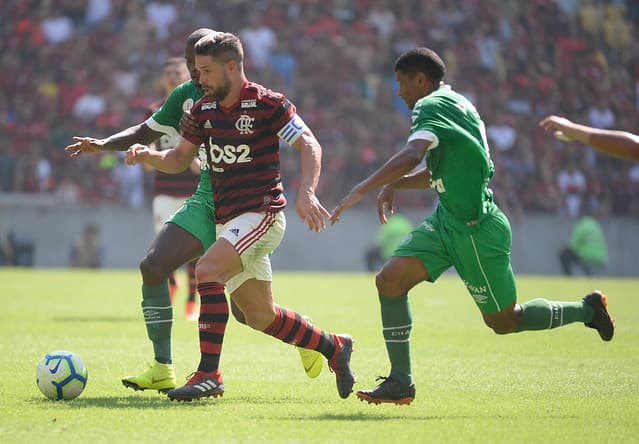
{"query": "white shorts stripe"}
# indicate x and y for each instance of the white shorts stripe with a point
(254, 235)
(490, 289)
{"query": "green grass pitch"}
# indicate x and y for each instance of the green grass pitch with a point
(559, 386)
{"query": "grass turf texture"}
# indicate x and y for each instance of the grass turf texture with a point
(564, 385)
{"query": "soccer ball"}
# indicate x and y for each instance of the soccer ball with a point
(61, 375)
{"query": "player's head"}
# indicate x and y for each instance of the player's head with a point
(173, 74)
(189, 52)
(418, 71)
(219, 59)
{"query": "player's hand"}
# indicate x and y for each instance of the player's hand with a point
(385, 200)
(558, 125)
(348, 201)
(310, 210)
(136, 153)
(84, 145)
(190, 126)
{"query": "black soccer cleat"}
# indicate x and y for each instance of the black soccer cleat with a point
(200, 385)
(601, 319)
(340, 365)
(389, 391)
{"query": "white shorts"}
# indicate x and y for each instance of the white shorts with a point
(255, 236)
(163, 208)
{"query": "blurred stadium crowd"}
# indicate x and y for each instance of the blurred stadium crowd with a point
(89, 68)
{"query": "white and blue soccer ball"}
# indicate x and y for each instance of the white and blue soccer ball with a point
(61, 375)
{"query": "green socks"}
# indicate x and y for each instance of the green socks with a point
(158, 316)
(397, 322)
(540, 314)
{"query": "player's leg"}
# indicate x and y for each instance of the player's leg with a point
(215, 266)
(486, 269)
(254, 297)
(172, 247)
(256, 265)
(421, 258)
(185, 236)
(191, 309)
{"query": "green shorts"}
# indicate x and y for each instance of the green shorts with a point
(197, 217)
(482, 259)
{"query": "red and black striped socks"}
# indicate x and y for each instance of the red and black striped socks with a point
(214, 315)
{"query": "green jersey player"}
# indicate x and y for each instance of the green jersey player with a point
(467, 230)
(185, 236)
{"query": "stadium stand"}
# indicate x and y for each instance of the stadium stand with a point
(91, 67)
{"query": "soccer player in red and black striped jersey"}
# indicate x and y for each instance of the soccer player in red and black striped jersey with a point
(241, 124)
(171, 190)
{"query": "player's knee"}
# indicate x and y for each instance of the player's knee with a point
(152, 269)
(237, 313)
(258, 320)
(385, 283)
(209, 270)
(501, 326)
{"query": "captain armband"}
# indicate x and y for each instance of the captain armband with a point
(292, 130)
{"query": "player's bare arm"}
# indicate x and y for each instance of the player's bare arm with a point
(121, 141)
(393, 170)
(308, 206)
(617, 143)
(174, 160)
(416, 180)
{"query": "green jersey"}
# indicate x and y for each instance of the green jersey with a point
(167, 120)
(458, 157)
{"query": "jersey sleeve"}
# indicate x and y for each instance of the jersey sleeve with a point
(421, 128)
(285, 121)
(167, 119)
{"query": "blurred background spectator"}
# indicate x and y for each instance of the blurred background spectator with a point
(74, 67)
(87, 251)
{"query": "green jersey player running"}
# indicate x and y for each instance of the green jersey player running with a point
(467, 230)
(185, 236)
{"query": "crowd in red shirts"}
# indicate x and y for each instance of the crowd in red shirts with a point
(91, 67)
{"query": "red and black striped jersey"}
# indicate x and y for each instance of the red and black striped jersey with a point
(243, 150)
(181, 184)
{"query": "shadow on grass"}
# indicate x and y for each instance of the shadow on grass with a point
(152, 400)
(106, 319)
(161, 402)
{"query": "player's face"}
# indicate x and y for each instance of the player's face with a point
(411, 87)
(214, 79)
(189, 57)
(173, 75)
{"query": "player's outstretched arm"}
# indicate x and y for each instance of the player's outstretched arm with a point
(120, 141)
(392, 171)
(174, 160)
(617, 143)
(308, 207)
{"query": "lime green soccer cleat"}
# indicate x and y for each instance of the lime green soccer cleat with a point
(158, 376)
(312, 361)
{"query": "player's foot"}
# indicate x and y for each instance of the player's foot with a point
(199, 385)
(158, 376)
(312, 361)
(191, 312)
(601, 319)
(340, 365)
(390, 390)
